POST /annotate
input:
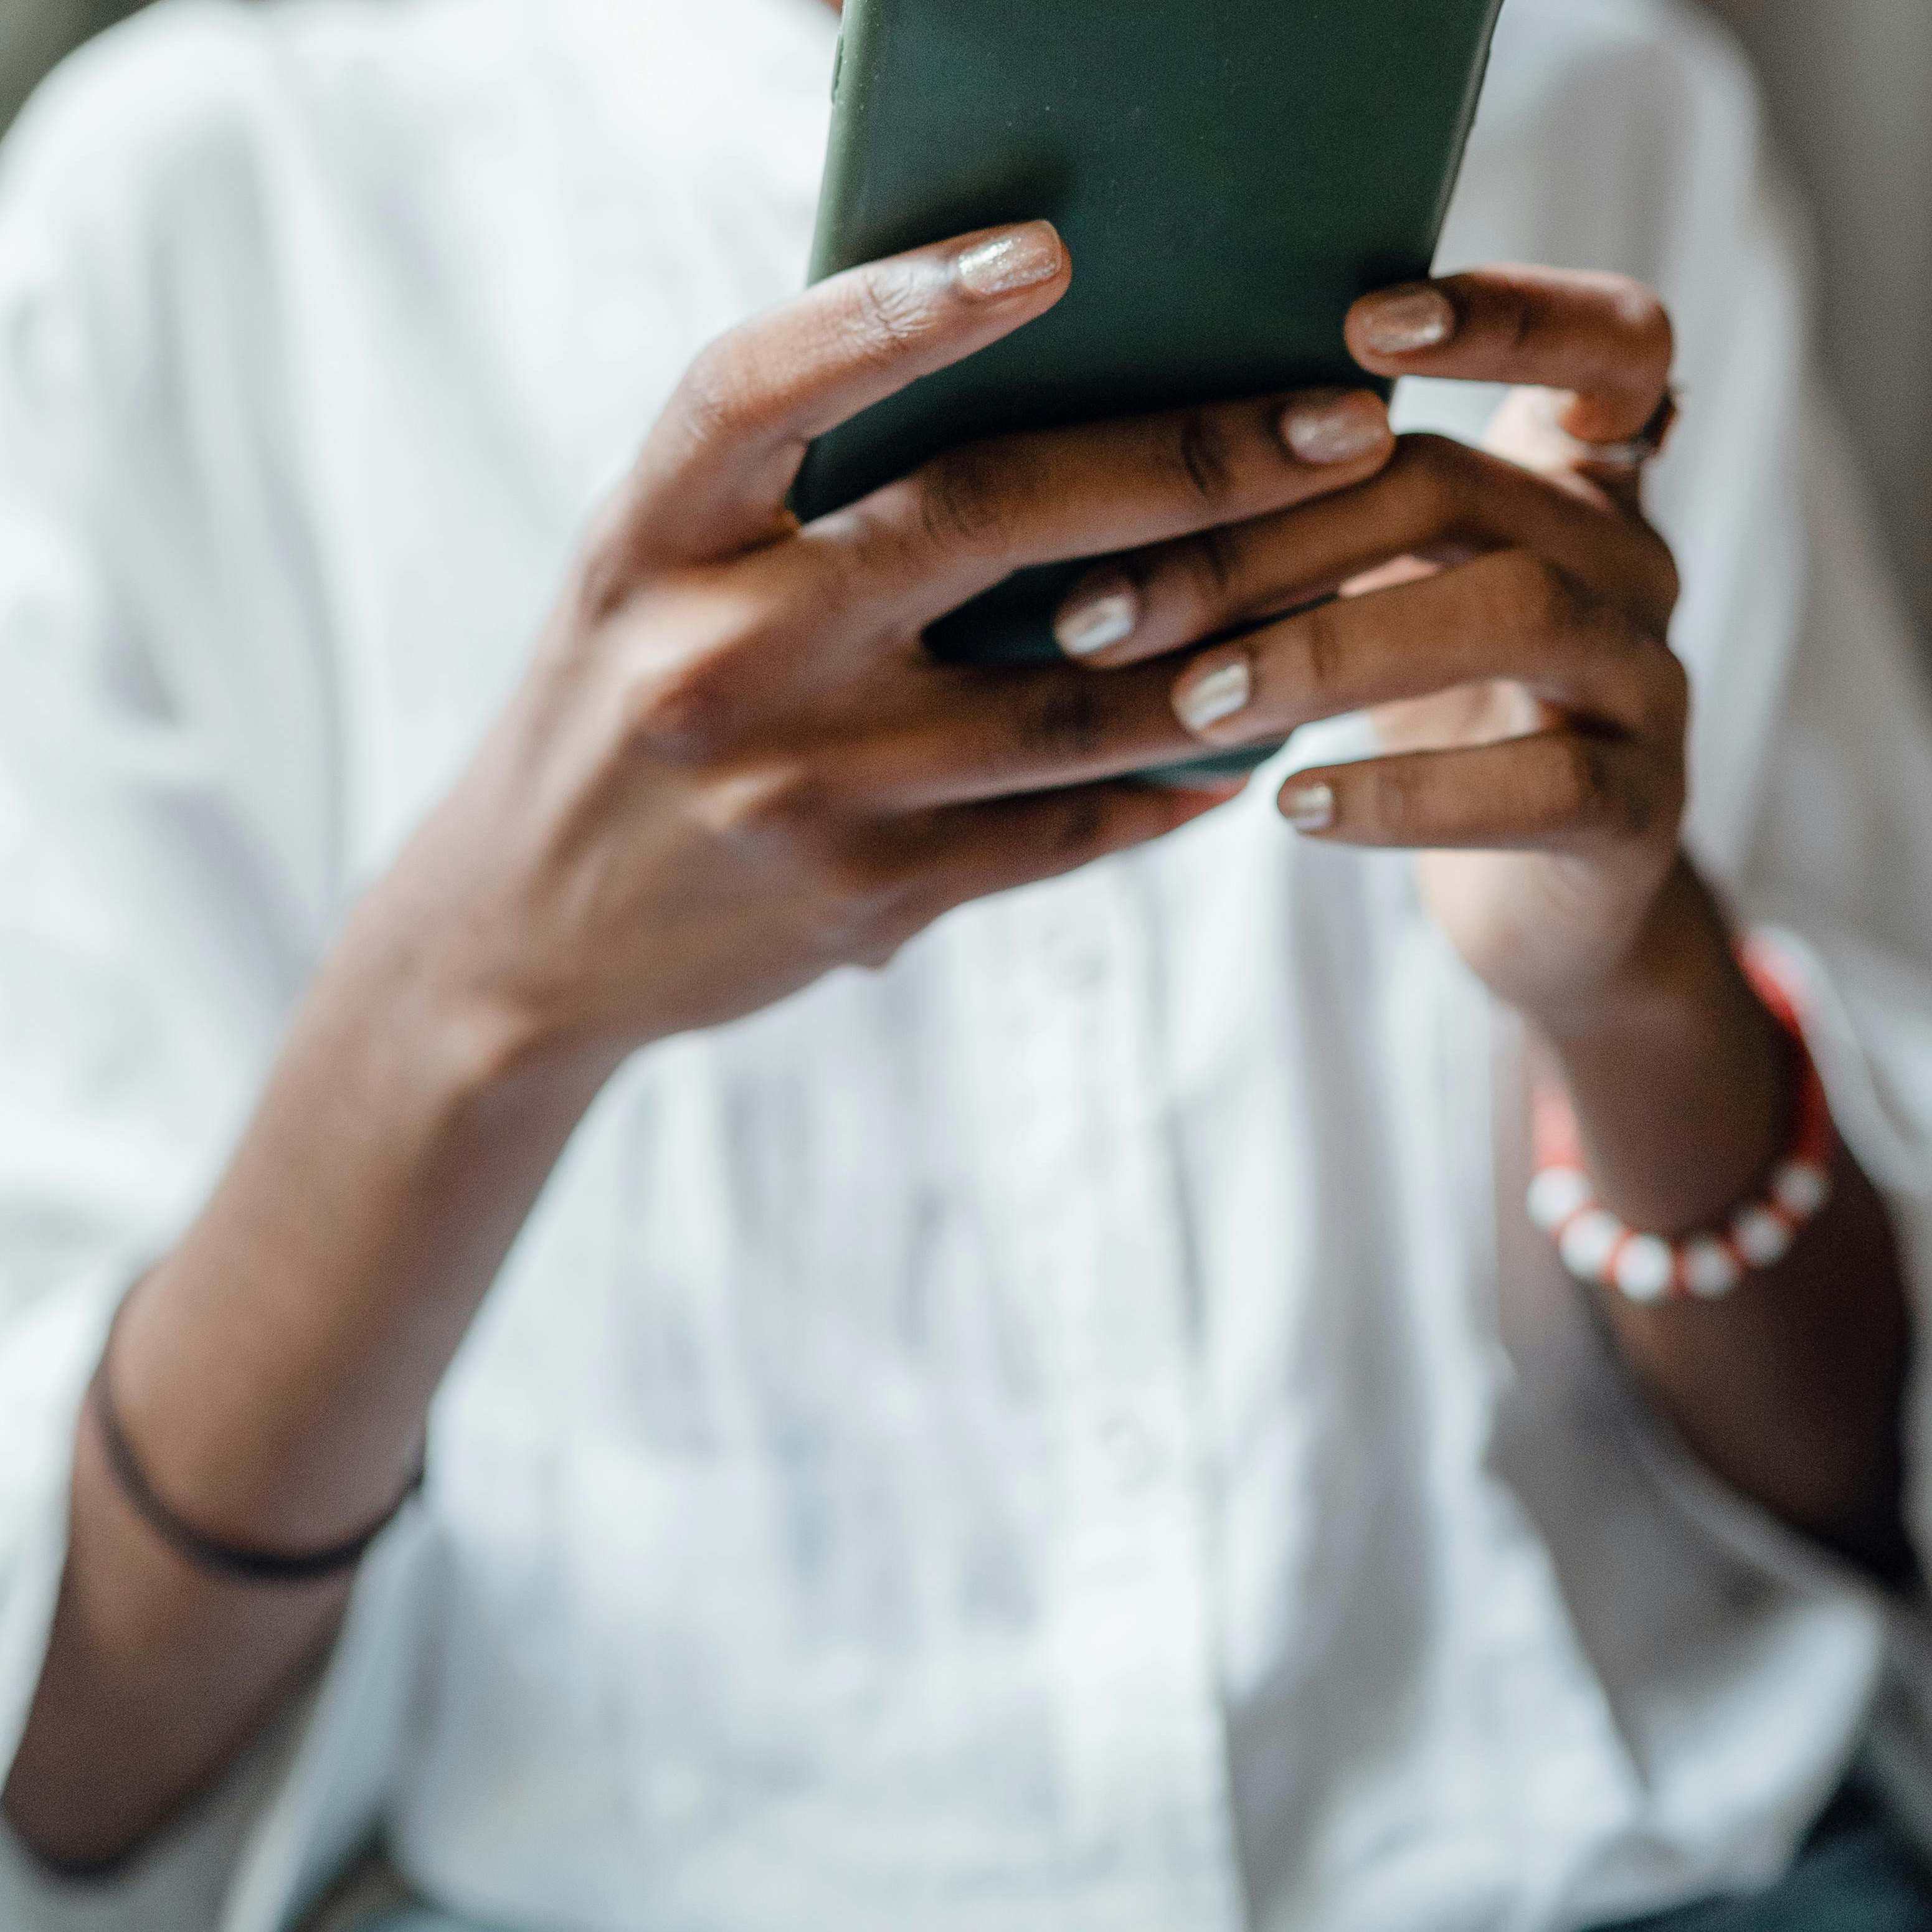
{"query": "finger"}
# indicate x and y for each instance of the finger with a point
(1436, 496)
(976, 734)
(1511, 615)
(714, 471)
(970, 735)
(922, 546)
(973, 851)
(932, 735)
(1556, 791)
(1604, 337)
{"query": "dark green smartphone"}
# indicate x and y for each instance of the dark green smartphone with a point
(1229, 178)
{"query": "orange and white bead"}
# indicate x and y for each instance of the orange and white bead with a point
(1600, 1249)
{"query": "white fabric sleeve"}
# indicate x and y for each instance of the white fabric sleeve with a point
(1811, 753)
(1842, 862)
(1811, 750)
(1812, 744)
(167, 870)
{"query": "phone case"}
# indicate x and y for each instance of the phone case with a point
(1228, 179)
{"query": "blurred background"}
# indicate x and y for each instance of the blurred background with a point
(1850, 84)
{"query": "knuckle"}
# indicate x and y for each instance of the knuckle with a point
(1630, 811)
(1634, 807)
(816, 589)
(787, 806)
(1660, 560)
(1578, 792)
(714, 400)
(1394, 802)
(867, 912)
(1673, 800)
(1598, 792)
(927, 894)
(881, 546)
(685, 659)
(1202, 454)
(1430, 473)
(1542, 602)
(896, 913)
(1082, 829)
(878, 952)
(1323, 651)
(1214, 563)
(962, 500)
(1640, 312)
(848, 878)
(686, 709)
(602, 587)
(890, 317)
(1674, 695)
(1610, 634)
(1067, 720)
(606, 572)
(1517, 321)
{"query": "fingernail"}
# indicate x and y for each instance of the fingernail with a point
(1309, 807)
(1098, 618)
(1206, 698)
(1340, 429)
(1407, 322)
(1022, 258)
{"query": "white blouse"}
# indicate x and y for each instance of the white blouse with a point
(1072, 1431)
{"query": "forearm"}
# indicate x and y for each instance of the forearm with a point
(1792, 1387)
(273, 1373)
(722, 777)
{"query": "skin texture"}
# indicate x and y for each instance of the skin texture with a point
(731, 768)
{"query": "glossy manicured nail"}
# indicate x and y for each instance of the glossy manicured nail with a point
(1022, 258)
(1309, 807)
(1407, 322)
(1097, 618)
(1207, 697)
(1339, 429)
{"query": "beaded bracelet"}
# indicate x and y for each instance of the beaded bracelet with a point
(1602, 1251)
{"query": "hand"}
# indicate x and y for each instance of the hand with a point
(734, 767)
(1504, 615)
(731, 766)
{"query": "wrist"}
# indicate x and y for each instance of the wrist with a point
(1678, 966)
(397, 1147)
(410, 994)
(1682, 1081)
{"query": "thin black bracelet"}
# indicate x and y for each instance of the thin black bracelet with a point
(204, 1552)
